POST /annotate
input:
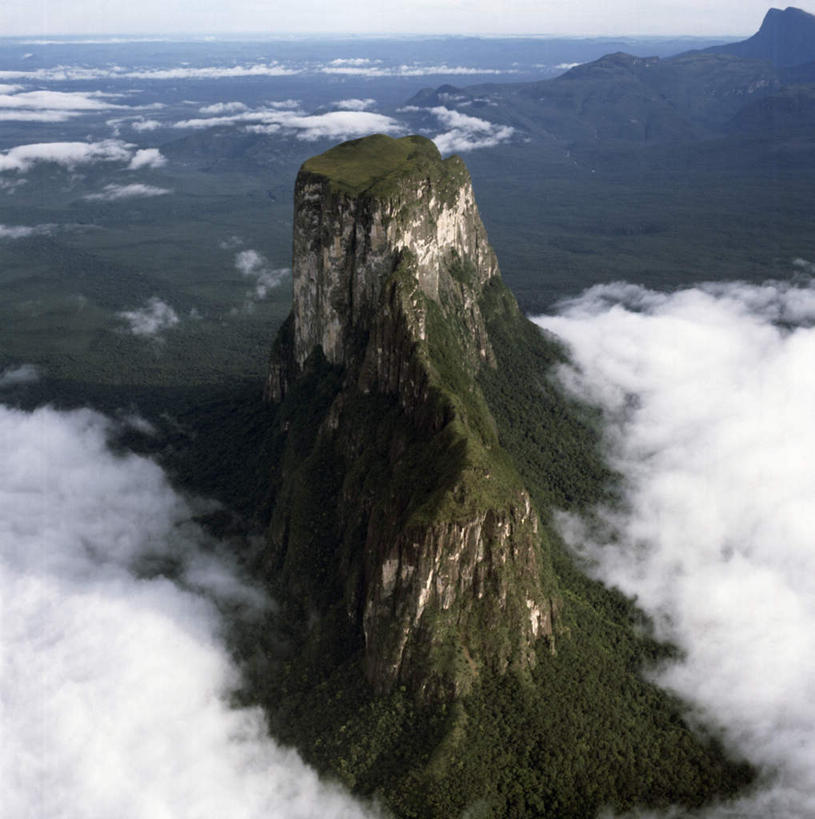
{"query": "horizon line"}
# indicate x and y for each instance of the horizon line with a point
(174, 36)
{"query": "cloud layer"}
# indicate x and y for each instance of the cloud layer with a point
(114, 686)
(351, 66)
(74, 73)
(53, 106)
(22, 158)
(709, 396)
(286, 118)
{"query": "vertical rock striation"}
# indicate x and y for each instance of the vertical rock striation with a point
(397, 516)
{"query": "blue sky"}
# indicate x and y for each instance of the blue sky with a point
(586, 17)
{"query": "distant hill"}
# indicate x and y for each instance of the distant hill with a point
(755, 87)
(790, 111)
(620, 97)
(786, 38)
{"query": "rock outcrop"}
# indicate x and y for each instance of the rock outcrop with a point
(397, 517)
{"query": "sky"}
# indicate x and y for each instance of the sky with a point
(561, 17)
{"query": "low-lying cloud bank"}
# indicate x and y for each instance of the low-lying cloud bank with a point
(73, 73)
(21, 158)
(353, 67)
(287, 118)
(709, 397)
(54, 106)
(114, 684)
(56, 100)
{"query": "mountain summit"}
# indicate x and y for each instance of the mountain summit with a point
(431, 549)
(786, 38)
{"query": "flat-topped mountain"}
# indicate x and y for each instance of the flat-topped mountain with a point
(435, 645)
(437, 544)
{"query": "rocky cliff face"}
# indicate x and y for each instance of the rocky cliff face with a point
(397, 516)
(351, 231)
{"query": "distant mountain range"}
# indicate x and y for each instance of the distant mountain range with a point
(749, 86)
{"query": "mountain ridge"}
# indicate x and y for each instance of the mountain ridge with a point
(619, 98)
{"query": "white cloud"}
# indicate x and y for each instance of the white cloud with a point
(309, 127)
(341, 125)
(113, 192)
(353, 61)
(115, 687)
(268, 114)
(210, 72)
(58, 100)
(346, 67)
(73, 73)
(199, 123)
(68, 154)
(155, 317)
(137, 123)
(467, 133)
(145, 124)
(22, 231)
(414, 70)
(147, 158)
(333, 125)
(249, 261)
(59, 73)
(355, 104)
(50, 106)
(255, 266)
(223, 108)
(709, 396)
(15, 115)
(22, 374)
